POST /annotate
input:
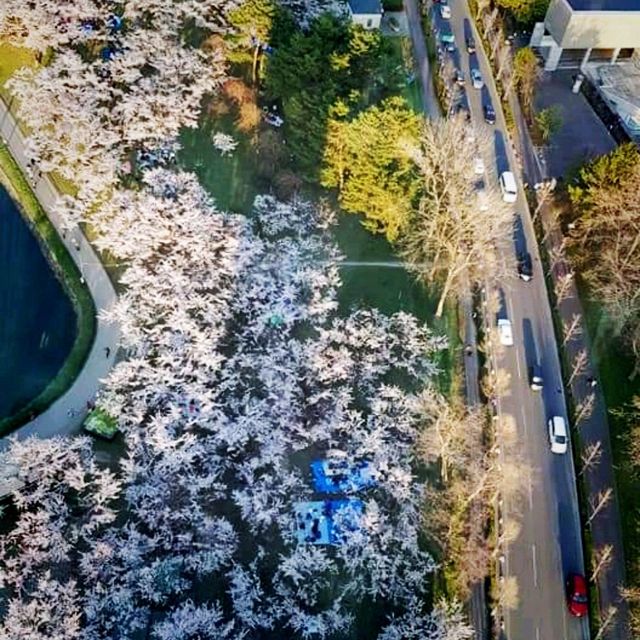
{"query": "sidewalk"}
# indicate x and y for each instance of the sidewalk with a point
(605, 528)
(66, 414)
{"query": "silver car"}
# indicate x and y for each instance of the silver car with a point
(476, 79)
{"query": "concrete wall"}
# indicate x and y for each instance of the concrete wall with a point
(592, 29)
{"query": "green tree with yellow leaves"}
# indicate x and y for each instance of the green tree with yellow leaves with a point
(367, 160)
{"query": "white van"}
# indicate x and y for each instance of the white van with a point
(508, 187)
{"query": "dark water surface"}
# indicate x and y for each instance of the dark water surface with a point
(37, 320)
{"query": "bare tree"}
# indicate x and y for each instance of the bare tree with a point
(507, 593)
(450, 241)
(590, 457)
(572, 329)
(602, 557)
(482, 6)
(489, 21)
(606, 621)
(578, 365)
(598, 502)
(631, 595)
(450, 432)
(543, 194)
(562, 286)
(497, 383)
(584, 408)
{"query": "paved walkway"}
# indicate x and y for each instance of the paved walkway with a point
(429, 100)
(66, 414)
(605, 528)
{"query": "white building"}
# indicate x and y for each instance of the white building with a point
(367, 13)
(575, 32)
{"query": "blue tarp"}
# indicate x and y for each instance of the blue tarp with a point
(325, 521)
(330, 476)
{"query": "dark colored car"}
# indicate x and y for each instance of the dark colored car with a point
(471, 45)
(489, 114)
(577, 598)
(535, 378)
(525, 267)
(458, 77)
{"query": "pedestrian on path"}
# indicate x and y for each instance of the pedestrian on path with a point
(71, 413)
(107, 351)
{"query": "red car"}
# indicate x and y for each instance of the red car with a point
(577, 596)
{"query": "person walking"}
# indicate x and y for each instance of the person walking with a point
(107, 351)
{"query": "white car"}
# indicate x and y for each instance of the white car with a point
(505, 332)
(478, 166)
(558, 435)
(445, 11)
(476, 79)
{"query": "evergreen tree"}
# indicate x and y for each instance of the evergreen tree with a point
(367, 159)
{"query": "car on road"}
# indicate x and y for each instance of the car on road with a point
(471, 45)
(535, 378)
(577, 598)
(445, 11)
(476, 79)
(489, 114)
(525, 266)
(447, 38)
(558, 435)
(478, 166)
(458, 77)
(505, 332)
(508, 186)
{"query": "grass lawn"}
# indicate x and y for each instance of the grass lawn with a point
(411, 91)
(11, 59)
(65, 267)
(614, 366)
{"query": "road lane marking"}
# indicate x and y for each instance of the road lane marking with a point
(535, 567)
(537, 633)
(518, 363)
(530, 493)
(524, 419)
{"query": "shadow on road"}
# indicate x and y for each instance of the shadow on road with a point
(502, 162)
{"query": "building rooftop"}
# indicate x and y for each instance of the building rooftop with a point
(367, 7)
(605, 5)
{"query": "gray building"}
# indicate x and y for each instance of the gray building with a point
(575, 32)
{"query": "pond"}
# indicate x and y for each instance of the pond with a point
(38, 323)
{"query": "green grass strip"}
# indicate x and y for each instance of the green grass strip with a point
(65, 268)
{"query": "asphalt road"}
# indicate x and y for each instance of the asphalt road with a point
(549, 544)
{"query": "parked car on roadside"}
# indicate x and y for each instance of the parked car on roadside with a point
(471, 45)
(535, 378)
(558, 438)
(505, 332)
(489, 113)
(478, 166)
(458, 77)
(577, 596)
(476, 79)
(447, 38)
(445, 11)
(525, 266)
